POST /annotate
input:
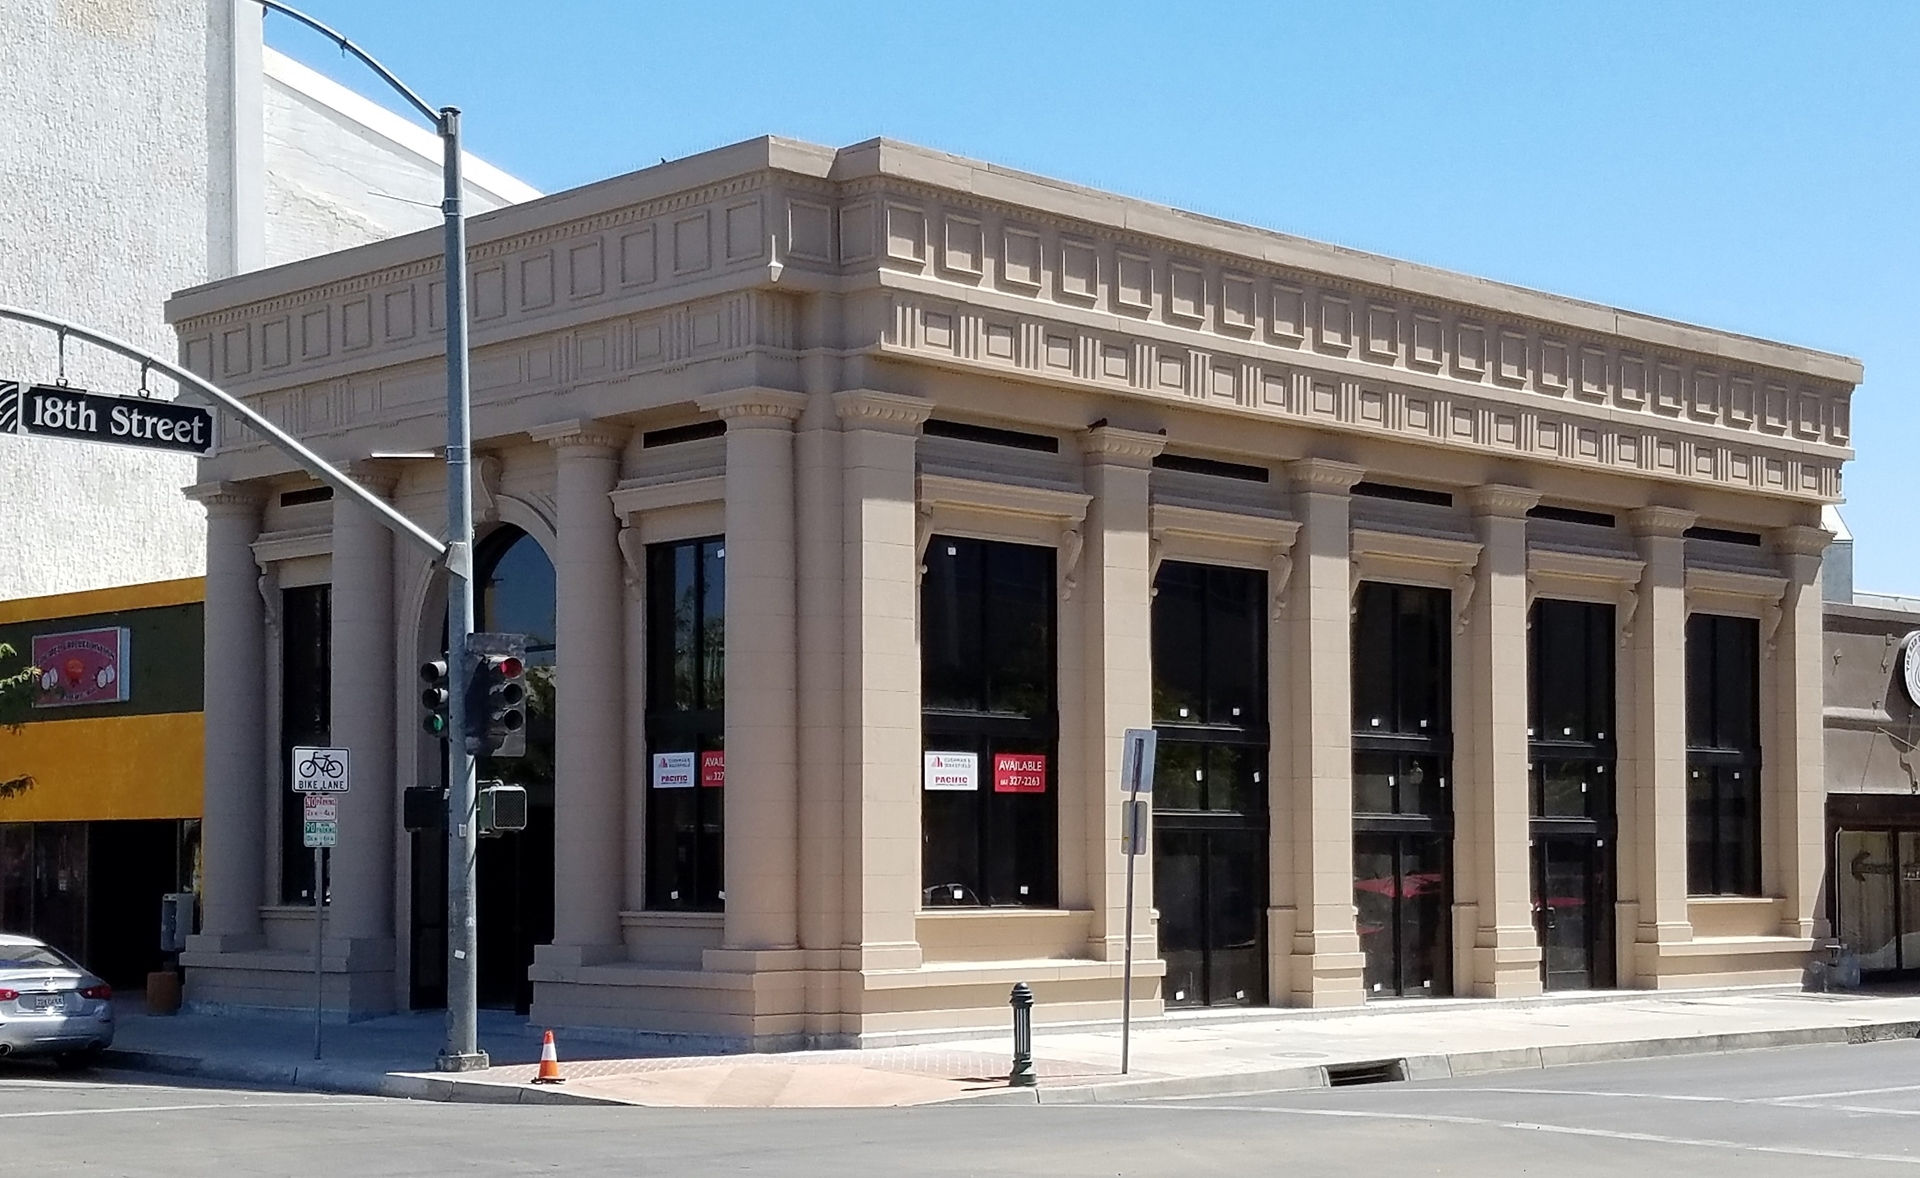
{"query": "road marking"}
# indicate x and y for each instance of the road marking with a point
(185, 1108)
(1566, 1130)
(1854, 1092)
(1774, 1101)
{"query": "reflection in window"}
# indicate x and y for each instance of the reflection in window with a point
(686, 724)
(987, 687)
(1723, 755)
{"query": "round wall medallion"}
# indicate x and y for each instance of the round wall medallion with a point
(1910, 667)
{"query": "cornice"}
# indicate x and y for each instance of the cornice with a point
(1799, 540)
(754, 408)
(1112, 446)
(870, 409)
(225, 498)
(1013, 498)
(581, 434)
(1661, 521)
(1502, 500)
(1324, 476)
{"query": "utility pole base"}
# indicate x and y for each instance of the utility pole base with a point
(462, 1061)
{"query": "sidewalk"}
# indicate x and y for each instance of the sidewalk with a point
(1180, 1054)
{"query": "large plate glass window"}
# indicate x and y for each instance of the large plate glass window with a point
(989, 724)
(1723, 755)
(686, 724)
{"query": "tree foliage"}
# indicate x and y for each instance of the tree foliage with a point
(16, 695)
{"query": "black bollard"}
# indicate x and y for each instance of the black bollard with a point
(1022, 1002)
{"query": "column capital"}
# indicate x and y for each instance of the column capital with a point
(1798, 540)
(1324, 476)
(1502, 499)
(224, 498)
(754, 408)
(376, 476)
(1112, 446)
(890, 413)
(577, 433)
(1661, 521)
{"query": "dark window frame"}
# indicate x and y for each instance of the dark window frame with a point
(1725, 824)
(685, 828)
(1592, 748)
(977, 846)
(306, 718)
(1219, 739)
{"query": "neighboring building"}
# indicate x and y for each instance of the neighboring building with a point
(859, 499)
(109, 820)
(148, 147)
(1873, 775)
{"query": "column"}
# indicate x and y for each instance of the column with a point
(820, 625)
(1653, 757)
(589, 781)
(763, 760)
(1116, 579)
(235, 799)
(1793, 772)
(1492, 790)
(1318, 717)
(360, 908)
(880, 689)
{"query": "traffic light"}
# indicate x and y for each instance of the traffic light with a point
(500, 808)
(434, 697)
(497, 706)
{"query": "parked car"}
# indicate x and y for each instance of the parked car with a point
(49, 1005)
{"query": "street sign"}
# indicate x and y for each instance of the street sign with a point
(1137, 822)
(319, 770)
(57, 411)
(1136, 760)
(321, 820)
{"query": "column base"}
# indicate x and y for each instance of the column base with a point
(565, 955)
(1326, 969)
(357, 979)
(1505, 963)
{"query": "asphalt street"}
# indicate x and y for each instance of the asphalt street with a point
(1801, 1111)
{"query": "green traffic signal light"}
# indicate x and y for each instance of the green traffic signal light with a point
(434, 698)
(435, 725)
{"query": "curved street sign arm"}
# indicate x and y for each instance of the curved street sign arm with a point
(319, 467)
(346, 46)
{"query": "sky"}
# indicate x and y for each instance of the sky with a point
(1747, 166)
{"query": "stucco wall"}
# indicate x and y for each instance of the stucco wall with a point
(103, 212)
(1871, 725)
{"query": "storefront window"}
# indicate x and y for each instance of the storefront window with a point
(686, 724)
(989, 724)
(1723, 755)
(306, 718)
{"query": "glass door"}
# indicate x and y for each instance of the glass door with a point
(1210, 888)
(1402, 897)
(1571, 901)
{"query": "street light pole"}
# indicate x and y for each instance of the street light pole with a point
(461, 1052)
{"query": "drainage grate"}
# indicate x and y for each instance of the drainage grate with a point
(1379, 1071)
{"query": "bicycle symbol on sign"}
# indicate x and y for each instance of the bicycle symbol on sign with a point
(321, 765)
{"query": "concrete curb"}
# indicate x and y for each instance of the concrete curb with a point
(1441, 1067)
(318, 1076)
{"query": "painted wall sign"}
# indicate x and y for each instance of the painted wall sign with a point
(713, 769)
(1019, 773)
(673, 770)
(56, 411)
(1910, 668)
(81, 667)
(951, 770)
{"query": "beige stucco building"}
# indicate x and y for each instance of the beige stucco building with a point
(859, 499)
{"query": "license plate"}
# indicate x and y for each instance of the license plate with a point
(44, 1001)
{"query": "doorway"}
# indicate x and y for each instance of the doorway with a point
(1210, 783)
(513, 900)
(1402, 891)
(1571, 750)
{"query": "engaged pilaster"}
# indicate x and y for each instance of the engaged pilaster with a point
(589, 696)
(1493, 795)
(762, 841)
(1794, 779)
(1654, 754)
(233, 869)
(1327, 964)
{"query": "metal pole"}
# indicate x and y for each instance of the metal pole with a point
(319, 919)
(462, 1050)
(1126, 981)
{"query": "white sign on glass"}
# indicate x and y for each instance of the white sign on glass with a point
(957, 771)
(674, 770)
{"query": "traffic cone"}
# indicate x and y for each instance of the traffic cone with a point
(549, 1064)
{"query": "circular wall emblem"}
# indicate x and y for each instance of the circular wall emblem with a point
(1910, 667)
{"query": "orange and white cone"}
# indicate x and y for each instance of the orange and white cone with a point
(549, 1064)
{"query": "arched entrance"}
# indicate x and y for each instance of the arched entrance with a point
(514, 593)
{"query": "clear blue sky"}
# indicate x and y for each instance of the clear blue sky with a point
(1748, 166)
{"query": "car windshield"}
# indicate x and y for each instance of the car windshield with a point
(33, 957)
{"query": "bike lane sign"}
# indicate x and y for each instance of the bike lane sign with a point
(319, 770)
